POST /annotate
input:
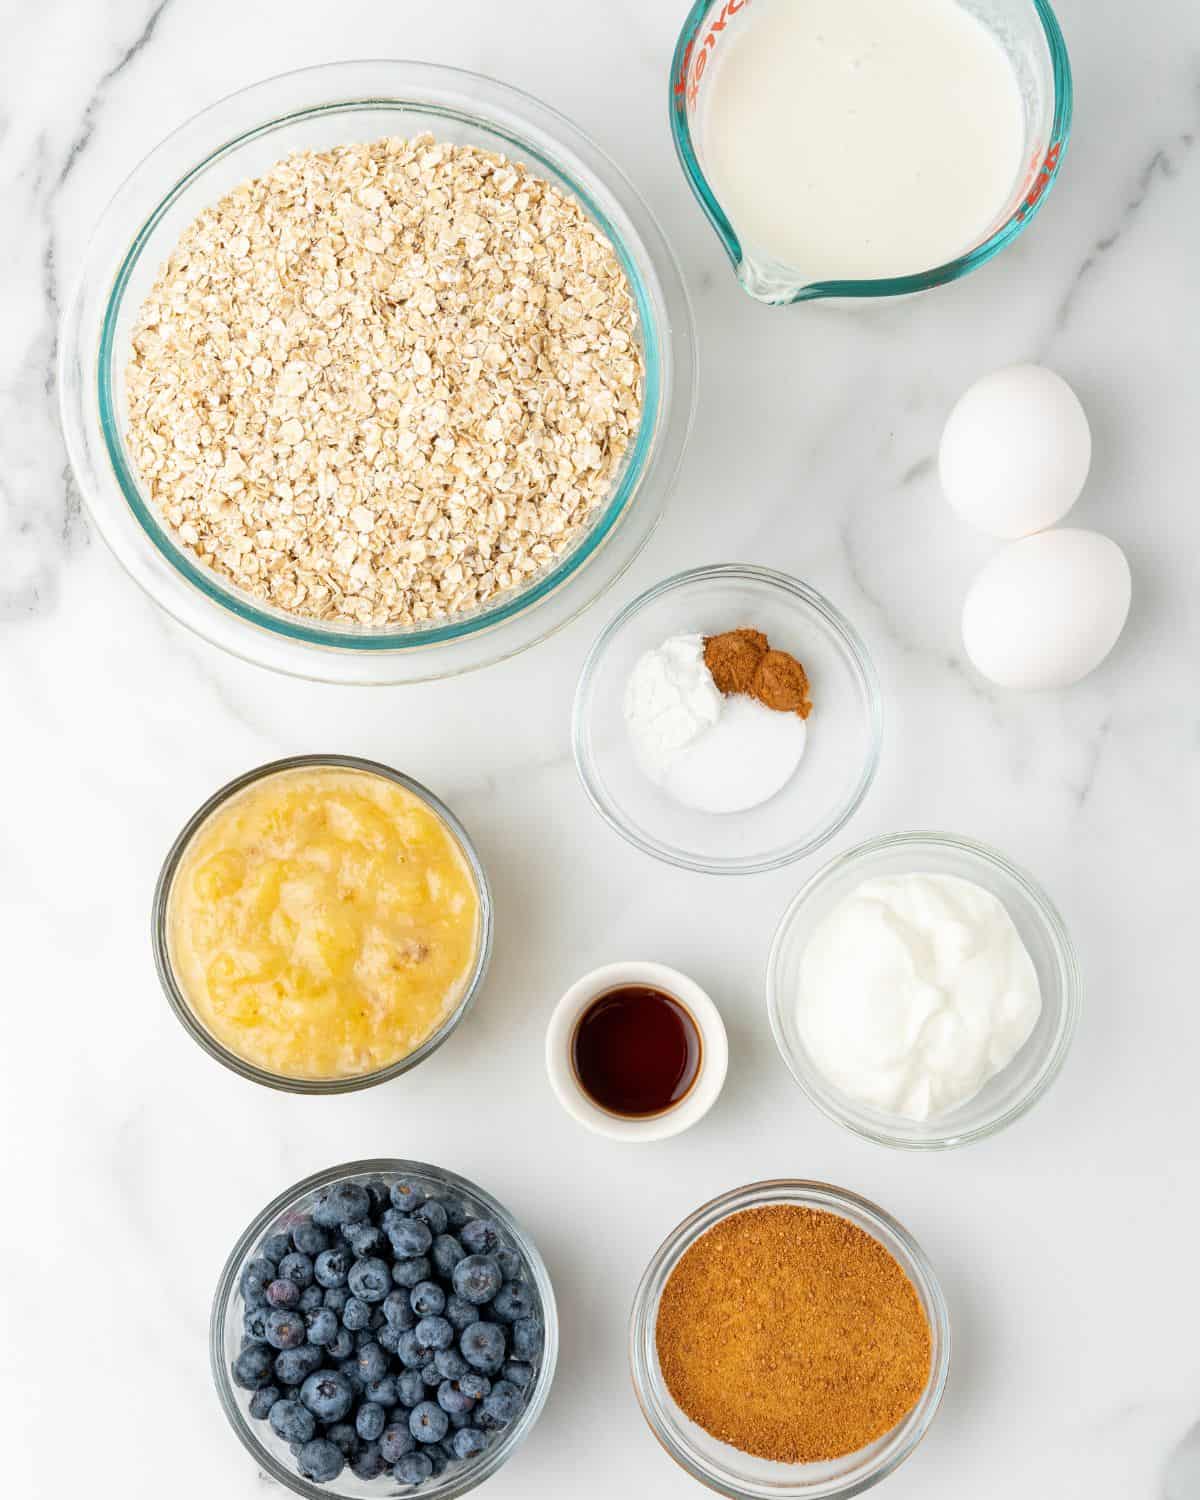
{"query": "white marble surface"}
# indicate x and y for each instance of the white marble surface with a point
(1067, 1245)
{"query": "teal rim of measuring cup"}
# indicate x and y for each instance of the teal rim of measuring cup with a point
(294, 627)
(893, 286)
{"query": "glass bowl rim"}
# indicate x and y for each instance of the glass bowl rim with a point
(173, 990)
(807, 1192)
(616, 532)
(863, 669)
(1070, 984)
(894, 286)
(380, 1166)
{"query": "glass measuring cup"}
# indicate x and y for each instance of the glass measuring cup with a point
(1033, 41)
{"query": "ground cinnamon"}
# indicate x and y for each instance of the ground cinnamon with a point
(792, 1334)
(742, 661)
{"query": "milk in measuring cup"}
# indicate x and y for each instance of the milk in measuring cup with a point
(856, 139)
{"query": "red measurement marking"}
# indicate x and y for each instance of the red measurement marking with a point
(1042, 180)
(689, 86)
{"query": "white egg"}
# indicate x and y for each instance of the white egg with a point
(1047, 610)
(1015, 451)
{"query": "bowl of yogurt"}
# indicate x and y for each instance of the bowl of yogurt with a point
(728, 720)
(923, 990)
(868, 148)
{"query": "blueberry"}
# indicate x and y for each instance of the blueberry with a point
(427, 1298)
(461, 1313)
(477, 1279)
(482, 1346)
(382, 1391)
(453, 1399)
(372, 1362)
(457, 1213)
(475, 1385)
(370, 1279)
(348, 1370)
(431, 1375)
(409, 1237)
(512, 1268)
(518, 1373)
(325, 1212)
(366, 1239)
(514, 1300)
(407, 1194)
(327, 1394)
(343, 1436)
(275, 1247)
(410, 1388)
(349, 1201)
(262, 1401)
(335, 1299)
(398, 1310)
(369, 1421)
(309, 1238)
(285, 1329)
(321, 1461)
(356, 1315)
(377, 1192)
(341, 1346)
(322, 1326)
(411, 1269)
(526, 1339)
(439, 1456)
(480, 1237)
(413, 1468)
(332, 1267)
(446, 1254)
(435, 1333)
(294, 1366)
(411, 1353)
(432, 1213)
(500, 1406)
(311, 1298)
(255, 1323)
(257, 1275)
(297, 1267)
(458, 1419)
(395, 1441)
(292, 1422)
(368, 1462)
(281, 1293)
(468, 1442)
(428, 1423)
(450, 1363)
(389, 1338)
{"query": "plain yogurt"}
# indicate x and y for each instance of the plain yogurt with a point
(914, 991)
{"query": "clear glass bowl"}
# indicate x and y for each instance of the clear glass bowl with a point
(174, 992)
(271, 1453)
(740, 1475)
(844, 729)
(1029, 33)
(1016, 1088)
(241, 137)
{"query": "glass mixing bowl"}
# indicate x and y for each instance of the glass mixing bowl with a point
(740, 1475)
(1016, 1088)
(270, 1452)
(844, 730)
(173, 989)
(241, 137)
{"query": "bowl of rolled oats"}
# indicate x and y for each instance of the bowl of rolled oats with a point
(377, 372)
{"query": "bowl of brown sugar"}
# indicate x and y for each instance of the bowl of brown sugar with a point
(789, 1339)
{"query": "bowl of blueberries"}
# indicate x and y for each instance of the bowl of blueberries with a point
(383, 1327)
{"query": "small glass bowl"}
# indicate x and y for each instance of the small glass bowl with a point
(174, 991)
(270, 1452)
(1017, 1087)
(240, 137)
(844, 730)
(740, 1475)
